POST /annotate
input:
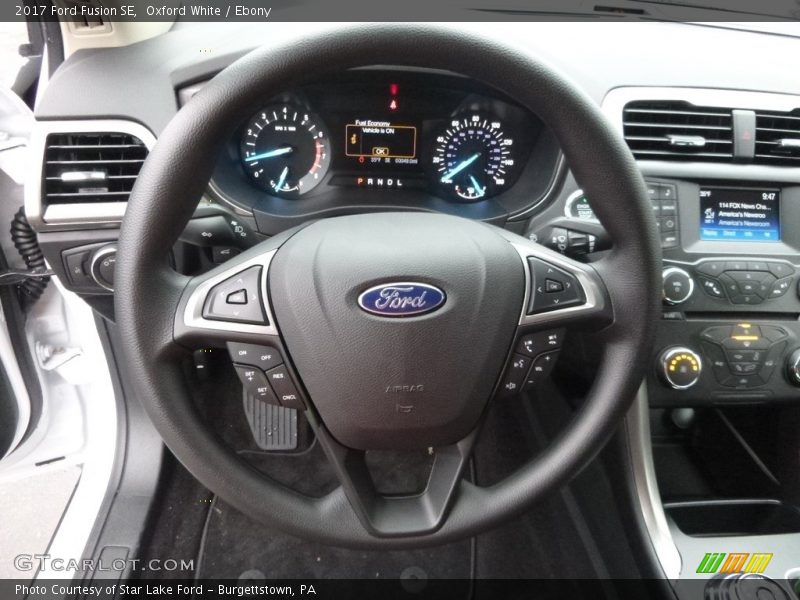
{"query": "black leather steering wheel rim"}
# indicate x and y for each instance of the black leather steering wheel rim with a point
(177, 172)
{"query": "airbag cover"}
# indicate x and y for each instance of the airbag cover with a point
(383, 382)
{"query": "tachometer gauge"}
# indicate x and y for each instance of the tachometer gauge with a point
(286, 150)
(472, 157)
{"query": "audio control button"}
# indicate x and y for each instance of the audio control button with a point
(730, 284)
(678, 285)
(736, 265)
(712, 268)
(712, 287)
(757, 266)
(780, 270)
(746, 299)
(780, 287)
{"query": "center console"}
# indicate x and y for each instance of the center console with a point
(714, 430)
(730, 332)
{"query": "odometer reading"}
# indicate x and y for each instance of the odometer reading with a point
(473, 157)
(286, 150)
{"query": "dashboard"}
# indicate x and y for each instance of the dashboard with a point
(722, 167)
(424, 140)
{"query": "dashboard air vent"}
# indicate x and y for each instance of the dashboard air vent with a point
(91, 167)
(778, 138)
(675, 130)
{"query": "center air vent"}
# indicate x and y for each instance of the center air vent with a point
(778, 138)
(91, 167)
(674, 130)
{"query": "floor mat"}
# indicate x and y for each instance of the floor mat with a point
(237, 548)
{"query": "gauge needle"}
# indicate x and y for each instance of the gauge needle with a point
(460, 167)
(270, 154)
(477, 186)
(284, 173)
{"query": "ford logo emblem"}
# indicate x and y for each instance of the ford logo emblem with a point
(402, 299)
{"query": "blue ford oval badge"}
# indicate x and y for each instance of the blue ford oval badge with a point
(402, 299)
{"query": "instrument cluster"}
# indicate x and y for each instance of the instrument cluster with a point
(420, 138)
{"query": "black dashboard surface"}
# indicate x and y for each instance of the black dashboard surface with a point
(139, 81)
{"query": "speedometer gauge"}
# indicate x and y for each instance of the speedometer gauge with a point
(286, 150)
(472, 157)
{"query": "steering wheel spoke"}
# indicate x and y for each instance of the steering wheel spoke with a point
(560, 291)
(229, 303)
(560, 294)
(397, 515)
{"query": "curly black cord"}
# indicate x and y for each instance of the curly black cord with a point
(24, 238)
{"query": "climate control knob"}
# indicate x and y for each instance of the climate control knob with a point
(680, 367)
(677, 285)
(793, 367)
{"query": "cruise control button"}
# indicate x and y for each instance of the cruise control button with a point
(244, 289)
(255, 383)
(536, 343)
(284, 388)
(263, 357)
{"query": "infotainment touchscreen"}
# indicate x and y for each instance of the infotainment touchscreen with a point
(736, 214)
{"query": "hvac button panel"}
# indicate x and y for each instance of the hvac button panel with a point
(743, 355)
(745, 282)
(237, 299)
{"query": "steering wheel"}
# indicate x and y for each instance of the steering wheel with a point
(391, 330)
